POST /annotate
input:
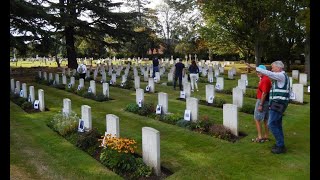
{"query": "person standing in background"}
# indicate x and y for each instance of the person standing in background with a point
(194, 75)
(178, 72)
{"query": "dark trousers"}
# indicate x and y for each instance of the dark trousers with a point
(83, 76)
(176, 77)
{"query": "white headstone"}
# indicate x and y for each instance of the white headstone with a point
(303, 77)
(86, 117)
(295, 74)
(137, 82)
(151, 85)
(18, 88)
(41, 100)
(12, 85)
(242, 85)
(192, 105)
(151, 148)
(237, 97)
(230, 118)
(187, 89)
(139, 96)
(210, 93)
(81, 82)
(24, 89)
(66, 110)
(163, 101)
(220, 81)
(93, 86)
(105, 89)
(297, 89)
(112, 125)
(31, 94)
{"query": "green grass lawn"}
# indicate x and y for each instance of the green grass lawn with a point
(36, 152)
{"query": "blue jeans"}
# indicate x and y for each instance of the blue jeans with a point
(155, 69)
(275, 125)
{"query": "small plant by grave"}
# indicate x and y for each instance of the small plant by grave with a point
(118, 155)
(64, 124)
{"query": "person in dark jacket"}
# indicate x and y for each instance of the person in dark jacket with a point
(194, 75)
(178, 72)
(155, 65)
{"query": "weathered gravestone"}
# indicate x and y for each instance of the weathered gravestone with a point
(230, 118)
(86, 117)
(237, 97)
(112, 125)
(151, 148)
(193, 105)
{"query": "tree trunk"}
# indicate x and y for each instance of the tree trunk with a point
(71, 52)
(307, 57)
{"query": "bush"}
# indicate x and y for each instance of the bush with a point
(146, 109)
(101, 97)
(89, 95)
(170, 118)
(27, 105)
(202, 125)
(170, 83)
(221, 132)
(251, 93)
(248, 108)
(183, 123)
(64, 125)
(132, 107)
(218, 102)
(88, 139)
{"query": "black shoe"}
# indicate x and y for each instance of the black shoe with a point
(278, 150)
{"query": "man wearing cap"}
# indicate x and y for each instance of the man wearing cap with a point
(279, 99)
(261, 111)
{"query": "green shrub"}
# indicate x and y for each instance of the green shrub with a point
(120, 163)
(101, 97)
(202, 125)
(146, 109)
(218, 102)
(170, 118)
(170, 83)
(141, 169)
(60, 86)
(132, 107)
(88, 139)
(224, 91)
(89, 95)
(251, 93)
(247, 108)
(220, 131)
(27, 105)
(183, 123)
(63, 124)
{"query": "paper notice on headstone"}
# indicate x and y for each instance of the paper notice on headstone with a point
(110, 82)
(218, 86)
(79, 88)
(211, 80)
(140, 103)
(29, 98)
(69, 85)
(147, 88)
(89, 90)
(292, 95)
(182, 94)
(308, 89)
(81, 126)
(21, 93)
(36, 104)
(187, 115)
(210, 100)
(246, 82)
(158, 109)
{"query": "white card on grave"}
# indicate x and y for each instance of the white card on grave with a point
(246, 82)
(292, 95)
(54, 82)
(187, 115)
(29, 98)
(211, 80)
(158, 109)
(110, 82)
(101, 81)
(89, 90)
(308, 89)
(210, 100)
(69, 85)
(148, 88)
(122, 84)
(36, 104)
(182, 94)
(21, 93)
(155, 79)
(81, 126)
(79, 87)
(218, 86)
(140, 103)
